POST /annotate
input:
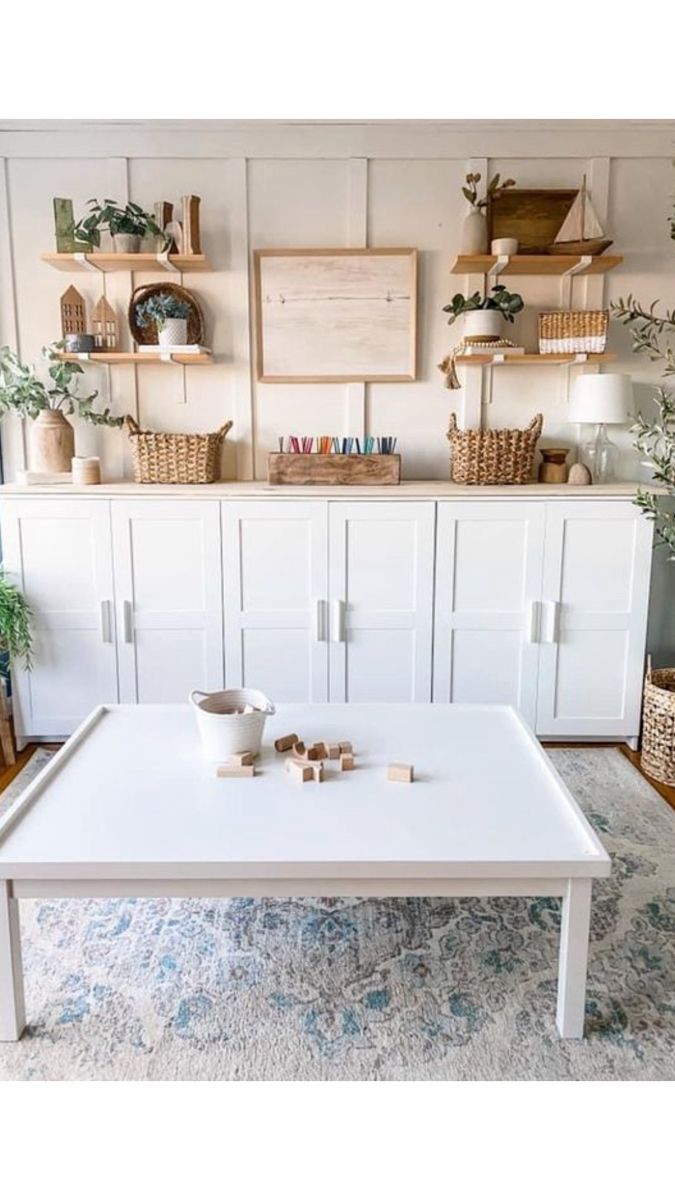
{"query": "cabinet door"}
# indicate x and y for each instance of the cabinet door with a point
(488, 583)
(59, 553)
(381, 561)
(595, 592)
(168, 590)
(275, 586)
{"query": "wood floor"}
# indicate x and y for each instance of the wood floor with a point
(7, 774)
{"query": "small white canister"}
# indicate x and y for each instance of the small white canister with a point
(230, 722)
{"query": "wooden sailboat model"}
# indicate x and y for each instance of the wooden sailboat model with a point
(581, 231)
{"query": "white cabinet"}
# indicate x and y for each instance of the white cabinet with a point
(533, 602)
(169, 604)
(381, 600)
(59, 553)
(275, 577)
(595, 594)
(489, 559)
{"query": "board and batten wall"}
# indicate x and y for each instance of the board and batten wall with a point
(267, 184)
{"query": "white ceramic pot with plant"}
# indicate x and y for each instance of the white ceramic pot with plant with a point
(51, 437)
(474, 237)
(484, 316)
(126, 225)
(167, 315)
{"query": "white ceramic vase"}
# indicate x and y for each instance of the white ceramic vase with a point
(173, 332)
(474, 233)
(484, 323)
(126, 243)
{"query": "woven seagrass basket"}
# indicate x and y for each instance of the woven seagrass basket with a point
(578, 332)
(493, 455)
(658, 724)
(175, 457)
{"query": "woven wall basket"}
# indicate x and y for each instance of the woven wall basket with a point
(175, 457)
(658, 725)
(145, 335)
(493, 455)
(579, 332)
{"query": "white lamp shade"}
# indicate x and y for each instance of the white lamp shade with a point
(601, 399)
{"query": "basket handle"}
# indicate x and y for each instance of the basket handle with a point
(536, 424)
(224, 429)
(649, 668)
(132, 426)
(452, 426)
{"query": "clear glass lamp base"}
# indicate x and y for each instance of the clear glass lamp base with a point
(599, 455)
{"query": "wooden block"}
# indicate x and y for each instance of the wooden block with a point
(234, 771)
(346, 762)
(239, 760)
(333, 749)
(317, 771)
(299, 749)
(298, 771)
(306, 753)
(321, 751)
(286, 742)
(400, 772)
(334, 468)
(345, 747)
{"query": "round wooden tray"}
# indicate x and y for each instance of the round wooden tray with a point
(147, 335)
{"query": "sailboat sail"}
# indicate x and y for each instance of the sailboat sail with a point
(581, 222)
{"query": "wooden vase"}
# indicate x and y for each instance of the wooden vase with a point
(52, 442)
(553, 468)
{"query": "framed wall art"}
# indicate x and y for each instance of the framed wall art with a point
(336, 316)
(532, 215)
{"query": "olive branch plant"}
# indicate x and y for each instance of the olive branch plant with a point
(652, 333)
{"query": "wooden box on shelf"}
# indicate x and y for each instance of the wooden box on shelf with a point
(334, 468)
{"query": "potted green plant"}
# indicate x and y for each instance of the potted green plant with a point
(16, 634)
(483, 315)
(52, 438)
(474, 227)
(126, 225)
(167, 315)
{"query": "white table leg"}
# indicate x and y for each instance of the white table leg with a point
(12, 1009)
(576, 919)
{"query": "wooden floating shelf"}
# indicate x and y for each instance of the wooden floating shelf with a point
(119, 358)
(502, 358)
(533, 264)
(173, 263)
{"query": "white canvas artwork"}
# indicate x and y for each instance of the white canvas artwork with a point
(336, 315)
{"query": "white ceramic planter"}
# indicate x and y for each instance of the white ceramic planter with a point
(474, 233)
(483, 323)
(173, 332)
(126, 243)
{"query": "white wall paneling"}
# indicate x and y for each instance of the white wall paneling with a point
(267, 184)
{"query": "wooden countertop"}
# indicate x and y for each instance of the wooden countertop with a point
(422, 489)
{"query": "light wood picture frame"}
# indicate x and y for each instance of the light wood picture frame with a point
(336, 315)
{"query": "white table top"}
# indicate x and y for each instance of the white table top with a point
(130, 797)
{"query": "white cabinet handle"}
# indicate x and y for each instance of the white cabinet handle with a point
(532, 631)
(338, 621)
(106, 621)
(127, 621)
(553, 621)
(320, 621)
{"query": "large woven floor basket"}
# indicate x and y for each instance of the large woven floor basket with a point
(658, 725)
(175, 457)
(493, 455)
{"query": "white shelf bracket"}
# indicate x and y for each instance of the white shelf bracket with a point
(163, 261)
(498, 266)
(567, 276)
(83, 260)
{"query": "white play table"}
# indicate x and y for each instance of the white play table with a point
(129, 807)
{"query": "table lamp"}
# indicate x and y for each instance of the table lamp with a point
(600, 400)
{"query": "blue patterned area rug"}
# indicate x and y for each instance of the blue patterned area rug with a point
(373, 989)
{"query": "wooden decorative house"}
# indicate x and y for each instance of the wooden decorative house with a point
(73, 312)
(104, 325)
